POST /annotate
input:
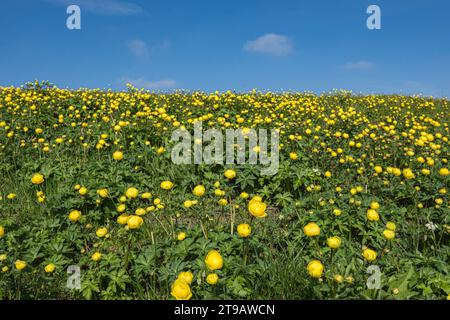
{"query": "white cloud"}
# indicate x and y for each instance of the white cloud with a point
(359, 65)
(106, 7)
(271, 44)
(150, 85)
(137, 47)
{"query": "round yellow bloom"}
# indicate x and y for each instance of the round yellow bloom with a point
(199, 191)
(186, 276)
(391, 226)
(230, 174)
(166, 185)
(3, 257)
(374, 205)
(74, 215)
(444, 172)
(146, 195)
(96, 256)
(338, 278)
(212, 278)
(328, 174)
(378, 169)
(293, 155)
(214, 260)
(373, 215)
(135, 222)
(140, 211)
(369, 254)
(334, 242)
(389, 234)
(311, 229)
(223, 202)
(50, 268)
(181, 236)
(132, 193)
(123, 219)
(102, 192)
(244, 195)
(257, 208)
(83, 191)
(37, 178)
(244, 230)
(337, 212)
(20, 264)
(315, 268)
(181, 290)
(118, 155)
(408, 174)
(101, 232)
(2, 231)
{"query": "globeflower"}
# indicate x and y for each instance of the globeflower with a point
(50, 268)
(408, 174)
(199, 191)
(212, 278)
(101, 232)
(118, 155)
(315, 268)
(244, 230)
(373, 215)
(257, 208)
(132, 193)
(96, 256)
(2, 231)
(214, 260)
(37, 178)
(20, 264)
(135, 222)
(74, 215)
(186, 276)
(166, 185)
(181, 290)
(181, 236)
(230, 174)
(444, 172)
(334, 242)
(389, 234)
(369, 254)
(311, 229)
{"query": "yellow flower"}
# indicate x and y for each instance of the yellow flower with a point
(96, 256)
(408, 174)
(135, 222)
(3, 257)
(123, 219)
(2, 231)
(5, 269)
(199, 191)
(186, 276)
(230, 174)
(37, 178)
(212, 278)
(83, 191)
(214, 260)
(146, 195)
(369, 254)
(328, 174)
(389, 234)
(101, 232)
(338, 278)
(132, 193)
(166, 185)
(315, 268)
(334, 242)
(102, 192)
(50, 268)
(181, 290)
(293, 155)
(257, 208)
(311, 229)
(20, 264)
(378, 169)
(337, 212)
(374, 205)
(244, 195)
(391, 226)
(373, 215)
(181, 236)
(244, 230)
(140, 211)
(74, 215)
(444, 172)
(223, 202)
(118, 155)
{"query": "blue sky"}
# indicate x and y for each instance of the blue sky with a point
(210, 45)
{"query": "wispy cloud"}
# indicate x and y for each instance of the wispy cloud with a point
(105, 7)
(150, 85)
(137, 47)
(140, 48)
(359, 65)
(271, 44)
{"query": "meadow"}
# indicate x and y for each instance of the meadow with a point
(358, 209)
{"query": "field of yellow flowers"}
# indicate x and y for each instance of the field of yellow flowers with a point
(87, 180)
